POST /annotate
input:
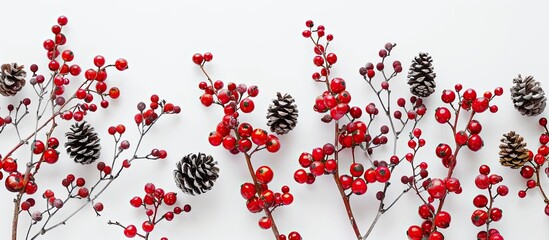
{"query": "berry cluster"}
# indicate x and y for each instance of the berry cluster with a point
(439, 188)
(62, 69)
(151, 202)
(243, 138)
(357, 133)
(487, 213)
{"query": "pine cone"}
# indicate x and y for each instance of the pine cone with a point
(528, 96)
(513, 152)
(82, 143)
(196, 174)
(282, 114)
(421, 77)
(12, 79)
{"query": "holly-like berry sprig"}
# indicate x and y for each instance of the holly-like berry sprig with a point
(486, 212)
(352, 133)
(76, 187)
(54, 103)
(533, 167)
(243, 138)
(151, 202)
(438, 189)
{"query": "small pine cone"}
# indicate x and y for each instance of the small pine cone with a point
(196, 174)
(513, 152)
(83, 143)
(12, 79)
(282, 114)
(528, 96)
(421, 77)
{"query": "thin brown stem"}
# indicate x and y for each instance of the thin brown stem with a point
(538, 184)
(344, 196)
(258, 190)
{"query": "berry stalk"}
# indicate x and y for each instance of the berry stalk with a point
(334, 102)
(242, 138)
(268, 213)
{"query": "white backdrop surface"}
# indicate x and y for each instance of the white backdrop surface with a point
(481, 44)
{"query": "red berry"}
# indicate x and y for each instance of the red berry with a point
(121, 64)
(99, 61)
(318, 61)
(15, 182)
(215, 139)
(415, 233)
(247, 105)
(259, 136)
(502, 190)
(247, 190)
(331, 58)
(130, 231)
(479, 217)
(426, 211)
(359, 186)
(50, 156)
(136, 202)
(98, 206)
(198, 58)
(526, 172)
(474, 127)
(265, 223)
(337, 85)
(443, 150)
(475, 142)
(357, 169)
(469, 94)
(383, 174)
(264, 174)
(208, 56)
(482, 181)
(480, 104)
(53, 65)
(442, 219)
(273, 144)
(170, 198)
(448, 96)
(484, 169)
(294, 236)
(496, 214)
(147, 226)
(300, 176)
(38, 147)
(62, 20)
(480, 201)
(436, 188)
(67, 55)
(149, 188)
(442, 114)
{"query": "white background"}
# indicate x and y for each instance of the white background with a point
(479, 44)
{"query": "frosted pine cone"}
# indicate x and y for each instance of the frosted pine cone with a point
(528, 96)
(513, 152)
(196, 174)
(12, 78)
(83, 143)
(282, 114)
(421, 77)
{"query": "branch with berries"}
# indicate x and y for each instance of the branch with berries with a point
(462, 104)
(352, 133)
(152, 201)
(243, 138)
(55, 101)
